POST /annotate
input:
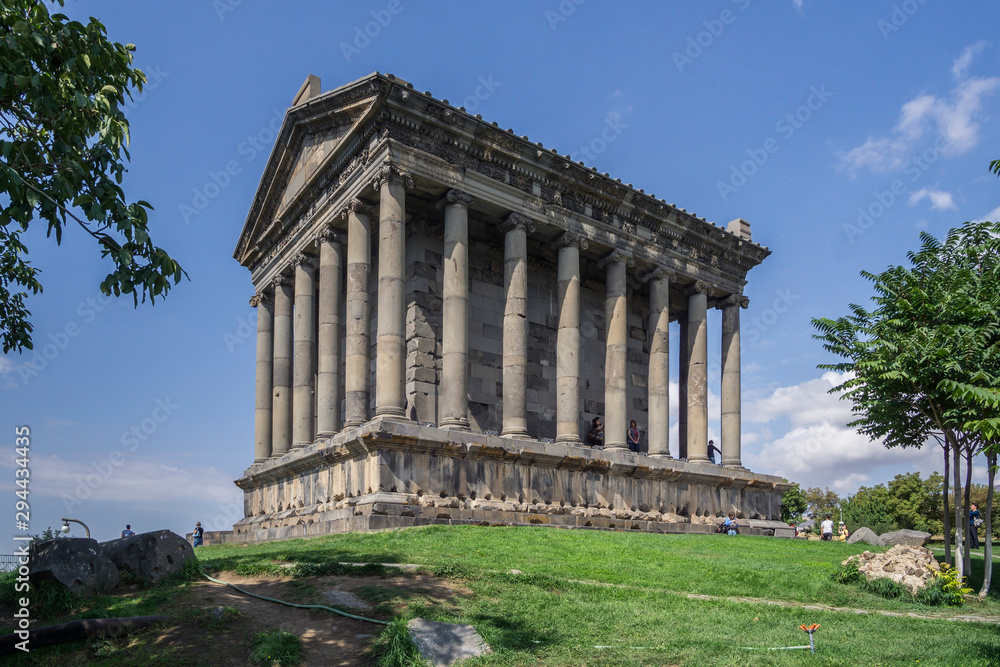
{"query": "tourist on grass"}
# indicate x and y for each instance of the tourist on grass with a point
(595, 438)
(975, 521)
(128, 531)
(197, 534)
(826, 528)
(731, 525)
(712, 451)
(843, 533)
(633, 436)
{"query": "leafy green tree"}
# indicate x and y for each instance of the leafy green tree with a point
(793, 504)
(933, 323)
(822, 503)
(63, 150)
(869, 508)
(910, 503)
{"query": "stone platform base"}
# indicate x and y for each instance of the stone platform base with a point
(390, 474)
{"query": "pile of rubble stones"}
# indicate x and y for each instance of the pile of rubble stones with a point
(913, 567)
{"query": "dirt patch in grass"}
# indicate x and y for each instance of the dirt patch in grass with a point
(194, 636)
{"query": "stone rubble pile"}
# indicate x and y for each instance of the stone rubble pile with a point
(913, 567)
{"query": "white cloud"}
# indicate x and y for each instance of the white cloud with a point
(940, 201)
(961, 64)
(992, 216)
(954, 117)
(820, 449)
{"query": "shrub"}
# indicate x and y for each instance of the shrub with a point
(886, 588)
(276, 647)
(848, 573)
(952, 588)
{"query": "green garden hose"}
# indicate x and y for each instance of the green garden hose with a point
(292, 604)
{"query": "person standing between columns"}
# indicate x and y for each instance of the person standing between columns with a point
(731, 410)
(265, 375)
(697, 374)
(616, 350)
(515, 326)
(390, 345)
(357, 366)
(282, 403)
(303, 406)
(455, 312)
(568, 339)
(658, 437)
(328, 335)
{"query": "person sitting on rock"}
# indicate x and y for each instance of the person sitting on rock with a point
(128, 531)
(731, 525)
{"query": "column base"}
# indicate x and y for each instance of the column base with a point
(616, 447)
(520, 434)
(569, 440)
(460, 424)
(700, 459)
(390, 414)
(355, 423)
(666, 456)
(323, 435)
(300, 445)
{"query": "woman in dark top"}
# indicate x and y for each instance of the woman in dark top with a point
(633, 436)
(973, 528)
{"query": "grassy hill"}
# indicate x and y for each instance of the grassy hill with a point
(542, 596)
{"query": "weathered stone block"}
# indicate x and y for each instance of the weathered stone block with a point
(75, 563)
(152, 556)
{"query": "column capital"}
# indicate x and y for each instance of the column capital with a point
(616, 256)
(572, 239)
(358, 207)
(457, 197)
(328, 235)
(281, 281)
(735, 300)
(260, 297)
(697, 287)
(517, 221)
(390, 172)
(305, 261)
(658, 273)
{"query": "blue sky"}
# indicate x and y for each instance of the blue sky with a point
(838, 130)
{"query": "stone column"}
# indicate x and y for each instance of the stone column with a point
(697, 375)
(658, 329)
(682, 386)
(616, 350)
(568, 339)
(357, 366)
(328, 335)
(303, 364)
(390, 345)
(282, 398)
(731, 379)
(515, 326)
(265, 375)
(455, 313)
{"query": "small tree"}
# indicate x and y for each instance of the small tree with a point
(63, 150)
(793, 504)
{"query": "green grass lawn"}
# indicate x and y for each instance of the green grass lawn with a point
(627, 594)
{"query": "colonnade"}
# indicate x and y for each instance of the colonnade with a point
(296, 352)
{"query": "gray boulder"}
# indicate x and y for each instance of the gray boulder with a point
(865, 535)
(76, 563)
(151, 556)
(910, 538)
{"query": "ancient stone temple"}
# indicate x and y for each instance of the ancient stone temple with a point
(443, 307)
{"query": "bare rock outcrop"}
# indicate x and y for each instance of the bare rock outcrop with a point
(913, 567)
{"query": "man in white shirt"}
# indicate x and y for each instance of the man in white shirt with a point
(827, 529)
